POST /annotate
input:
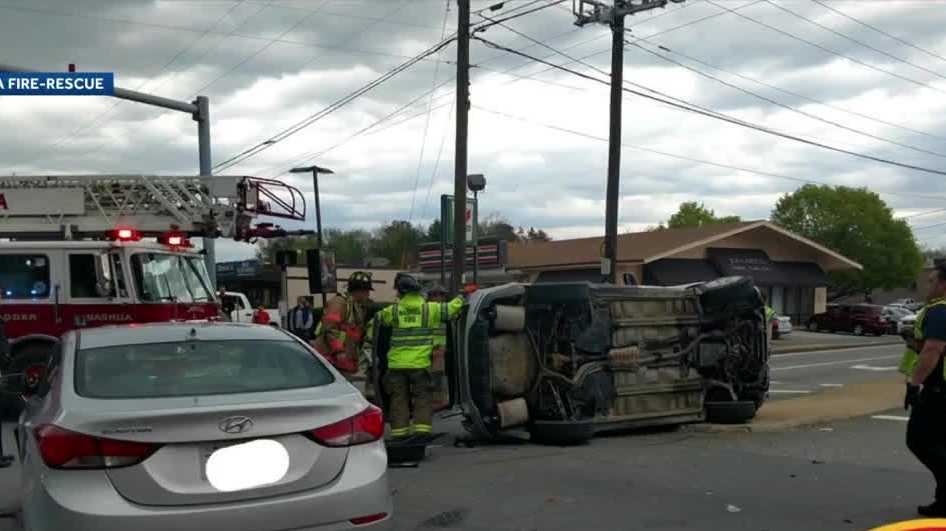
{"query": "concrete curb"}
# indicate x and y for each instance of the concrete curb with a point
(834, 346)
(855, 400)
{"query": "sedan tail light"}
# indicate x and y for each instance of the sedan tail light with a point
(365, 427)
(62, 448)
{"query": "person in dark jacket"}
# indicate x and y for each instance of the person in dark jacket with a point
(926, 391)
(301, 319)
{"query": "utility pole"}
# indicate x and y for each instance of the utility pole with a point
(592, 11)
(460, 163)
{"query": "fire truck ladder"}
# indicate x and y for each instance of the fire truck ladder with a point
(88, 206)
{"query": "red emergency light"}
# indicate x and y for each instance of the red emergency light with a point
(124, 234)
(174, 239)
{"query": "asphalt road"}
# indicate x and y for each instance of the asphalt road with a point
(803, 373)
(853, 475)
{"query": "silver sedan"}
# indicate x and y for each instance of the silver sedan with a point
(198, 426)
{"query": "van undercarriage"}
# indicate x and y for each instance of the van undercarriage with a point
(568, 360)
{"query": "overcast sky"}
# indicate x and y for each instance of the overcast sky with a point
(535, 134)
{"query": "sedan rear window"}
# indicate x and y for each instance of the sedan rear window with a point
(195, 368)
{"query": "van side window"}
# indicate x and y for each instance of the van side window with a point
(89, 277)
(24, 276)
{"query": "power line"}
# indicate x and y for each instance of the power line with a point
(430, 103)
(926, 213)
(99, 118)
(309, 120)
(503, 72)
(433, 174)
(508, 70)
(710, 76)
(484, 27)
(690, 159)
(882, 32)
(316, 154)
(855, 41)
(261, 49)
(826, 49)
(789, 107)
(666, 100)
(788, 92)
(929, 226)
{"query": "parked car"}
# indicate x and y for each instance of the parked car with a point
(858, 319)
(781, 326)
(142, 427)
(909, 304)
(893, 315)
(905, 326)
(238, 308)
(567, 360)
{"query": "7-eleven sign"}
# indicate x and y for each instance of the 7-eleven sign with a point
(446, 217)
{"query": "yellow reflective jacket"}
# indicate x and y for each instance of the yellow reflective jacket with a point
(911, 356)
(415, 326)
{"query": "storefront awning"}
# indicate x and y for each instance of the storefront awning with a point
(804, 274)
(753, 263)
(678, 271)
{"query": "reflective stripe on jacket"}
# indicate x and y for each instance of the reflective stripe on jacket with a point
(910, 356)
(415, 325)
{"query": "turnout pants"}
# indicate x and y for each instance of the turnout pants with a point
(406, 387)
(926, 437)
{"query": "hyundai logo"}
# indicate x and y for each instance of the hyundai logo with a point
(235, 425)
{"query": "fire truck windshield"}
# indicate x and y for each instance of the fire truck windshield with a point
(171, 278)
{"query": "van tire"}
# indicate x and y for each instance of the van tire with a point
(730, 412)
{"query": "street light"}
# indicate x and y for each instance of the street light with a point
(476, 183)
(315, 170)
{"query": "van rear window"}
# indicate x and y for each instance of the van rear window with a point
(24, 276)
(196, 368)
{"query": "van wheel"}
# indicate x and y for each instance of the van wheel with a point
(812, 326)
(858, 330)
(731, 412)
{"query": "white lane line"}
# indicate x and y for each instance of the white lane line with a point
(831, 385)
(872, 368)
(792, 354)
(828, 363)
(789, 391)
(891, 417)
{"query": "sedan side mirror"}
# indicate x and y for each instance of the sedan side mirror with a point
(14, 384)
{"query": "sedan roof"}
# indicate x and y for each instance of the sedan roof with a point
(138, 334)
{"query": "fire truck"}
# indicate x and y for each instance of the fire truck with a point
(90, 250)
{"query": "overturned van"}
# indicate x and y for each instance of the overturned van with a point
(567, 360)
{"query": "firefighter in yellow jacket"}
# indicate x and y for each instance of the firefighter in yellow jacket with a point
(924, 366)
(415, 325)
(341, 331)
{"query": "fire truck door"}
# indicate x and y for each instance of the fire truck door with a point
(97, 290)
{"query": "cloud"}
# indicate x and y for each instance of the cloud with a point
(266, 66)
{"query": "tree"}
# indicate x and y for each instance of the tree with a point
(350, 246)
(856, 223)
(266, 249)
(398, 242)
(695, 214)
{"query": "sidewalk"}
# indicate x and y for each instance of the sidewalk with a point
(804, 341)
(855, 400)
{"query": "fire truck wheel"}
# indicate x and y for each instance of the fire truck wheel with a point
(24, 357)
